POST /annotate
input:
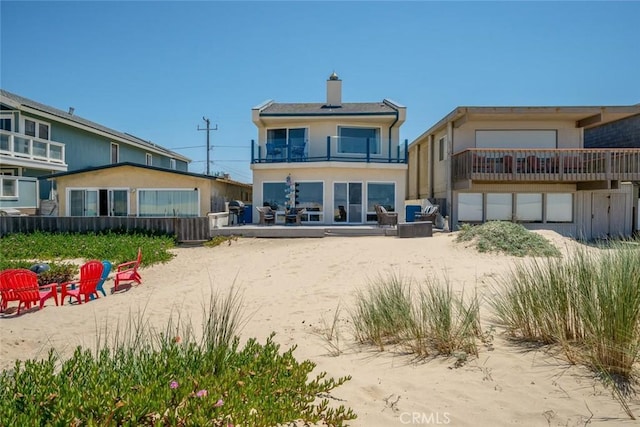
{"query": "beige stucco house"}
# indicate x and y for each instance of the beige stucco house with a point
(527, 164)
(129, 189)
(335, 159)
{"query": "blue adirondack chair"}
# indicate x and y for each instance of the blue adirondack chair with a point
(105, 273)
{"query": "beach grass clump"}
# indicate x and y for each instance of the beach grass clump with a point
(383, 311)
(425, 320)
(506, 237)
(444, 323)
(140, 377)
(115, 247)
(588, 303)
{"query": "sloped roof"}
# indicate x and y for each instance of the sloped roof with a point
(141, 166)
(321, 109)
(17, 100)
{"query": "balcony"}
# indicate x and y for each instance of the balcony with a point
(26, 151)
(334, 149)
(560, 165)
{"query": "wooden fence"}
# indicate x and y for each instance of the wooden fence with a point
(185, 229)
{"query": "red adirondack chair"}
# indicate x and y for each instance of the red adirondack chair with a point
(90, 275)
(128, 272)
(22, 285)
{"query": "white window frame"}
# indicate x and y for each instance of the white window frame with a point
(9, 178)
(11, 118)
(172, 164)
(149, 159)
(142, 190)
(37, 123)
(117, 150)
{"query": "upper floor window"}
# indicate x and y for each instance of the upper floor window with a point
(6, 122)
(115, 153)
(172, 163)
(353, 140)
(36, 129)
(149, 160)
(441, 149)
(284, 136)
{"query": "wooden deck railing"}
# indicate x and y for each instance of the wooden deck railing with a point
(561, 165)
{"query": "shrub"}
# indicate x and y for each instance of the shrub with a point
(506, 237)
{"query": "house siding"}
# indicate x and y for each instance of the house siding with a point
(623, 133)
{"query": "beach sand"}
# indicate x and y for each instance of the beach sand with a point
(293, 287)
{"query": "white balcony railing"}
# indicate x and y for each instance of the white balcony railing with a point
(24, 147)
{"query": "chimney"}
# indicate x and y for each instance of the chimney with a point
(71, 110)
(334, 91)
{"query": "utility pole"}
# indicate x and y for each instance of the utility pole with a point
(208, 128)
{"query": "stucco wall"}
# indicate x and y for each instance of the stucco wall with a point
(329, 173)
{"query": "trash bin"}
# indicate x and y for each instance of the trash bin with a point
(411, 211)
(248, 214)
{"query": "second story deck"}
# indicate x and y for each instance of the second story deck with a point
(559, 165)
(26, 151)
(333, 149)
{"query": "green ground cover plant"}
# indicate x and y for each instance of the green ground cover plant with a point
(506, 237)
(115, 247)
(137, 376)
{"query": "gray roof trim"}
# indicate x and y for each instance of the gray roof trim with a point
(34, 107)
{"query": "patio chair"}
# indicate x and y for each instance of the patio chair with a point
(105, 274)
(297, 149)
(294, 215)
(85, 286)
(22, 285)
(128, 272)
(267, 215)
(385, 217)
(428, 214)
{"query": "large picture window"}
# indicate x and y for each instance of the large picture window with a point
(499, 206)
(353, 140)
(529, 207)
(310, 197)
(470, 207)
(273, 195)
(383, 194)
(168, 203)
(559, 207)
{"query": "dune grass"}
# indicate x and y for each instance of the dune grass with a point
(588, 303)
(425, 320)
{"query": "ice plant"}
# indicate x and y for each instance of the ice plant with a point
(219, 403)
(174, 384)
(201, 393)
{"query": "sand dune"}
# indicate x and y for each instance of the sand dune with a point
(291, 285)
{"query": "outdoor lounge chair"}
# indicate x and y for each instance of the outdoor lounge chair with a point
(85, 286)
(294, 215)
(105, 274)
(385, 217)
(428, 214)
(267, 215)
(128, 272)
(22, 285)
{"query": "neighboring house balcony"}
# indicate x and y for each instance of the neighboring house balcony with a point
(26, 151)
(558, 165)
(334, 149)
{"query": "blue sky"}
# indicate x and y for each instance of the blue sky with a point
(155, 68)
